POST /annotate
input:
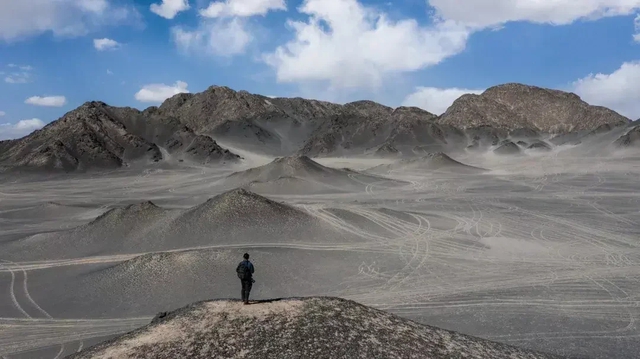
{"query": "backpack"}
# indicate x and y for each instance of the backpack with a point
(243, 271)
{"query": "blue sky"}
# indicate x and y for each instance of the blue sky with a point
(414, 52)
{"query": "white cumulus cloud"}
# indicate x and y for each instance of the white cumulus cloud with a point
(2, 113)
(10, 131)
(226, 37)
(49, 101)
(619, 90)
(160, 92)
(636, 22)
(349, 45)
(20, 19)
(168, 9)
(436, 100)
(486, 13)
(105, 44)
(242, 8)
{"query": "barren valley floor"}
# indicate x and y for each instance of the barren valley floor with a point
(541, 252)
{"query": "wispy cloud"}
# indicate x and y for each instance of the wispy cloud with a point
(18, 77)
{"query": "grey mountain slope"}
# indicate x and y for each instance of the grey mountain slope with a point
(249, 119)
(314, 327)
(178, 139)
(513, 106)
(96, 135)
(284, 126)
(368, 126)
(85, 137)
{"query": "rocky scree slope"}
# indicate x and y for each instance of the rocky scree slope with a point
(315, 327)
(96, 135)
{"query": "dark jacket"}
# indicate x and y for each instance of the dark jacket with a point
(249, 265)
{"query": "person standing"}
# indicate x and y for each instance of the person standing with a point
(245, 273)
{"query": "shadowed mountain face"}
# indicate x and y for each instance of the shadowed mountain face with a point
(516, 106)
(277, 126)
(96, 135)
(284, 126)
(320, 327)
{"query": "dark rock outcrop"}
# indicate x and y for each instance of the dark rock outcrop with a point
(515, 106)
(316, 327)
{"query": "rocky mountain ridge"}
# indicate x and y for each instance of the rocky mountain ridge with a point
(96, 135)
(511, 106)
